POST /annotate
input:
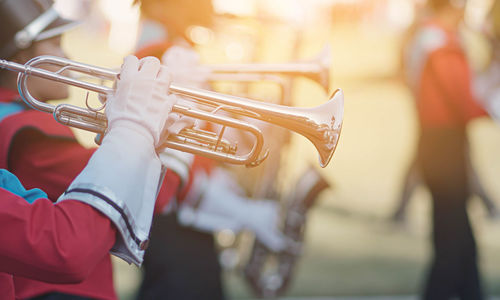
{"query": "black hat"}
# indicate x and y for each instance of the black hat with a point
(23, 22)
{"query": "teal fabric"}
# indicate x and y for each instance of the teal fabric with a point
(11, 183)
(7, 109)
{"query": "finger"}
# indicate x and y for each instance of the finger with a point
(182, 123)
(149, 67)
(164, 78)
(129, 67)
(164, 74)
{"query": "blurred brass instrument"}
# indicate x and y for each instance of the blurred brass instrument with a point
(321, 124)
(317, 69)
(269, 274)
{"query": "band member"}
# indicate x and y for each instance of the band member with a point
(211, 200)
(108, 207)
(410, 64)
(445, 104)
(44, 153)
(196, 274)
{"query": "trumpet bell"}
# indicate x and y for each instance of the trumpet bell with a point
(321, 125)
(330, 117)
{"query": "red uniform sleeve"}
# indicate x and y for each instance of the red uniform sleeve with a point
(48, 163)
(200, 163)
(451, 72)
(168, 190)
(58, 243)
(7, 286)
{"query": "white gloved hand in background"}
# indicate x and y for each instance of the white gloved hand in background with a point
(122, 177)
(184, 63)
(222, 206)
(487, 90)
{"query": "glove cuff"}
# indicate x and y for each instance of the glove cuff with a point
(132, 244)
(121, 181)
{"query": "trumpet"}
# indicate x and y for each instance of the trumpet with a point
(317, 69)
(321, 125)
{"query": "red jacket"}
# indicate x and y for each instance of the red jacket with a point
(43, 153)
(59, 243)
(444, 90)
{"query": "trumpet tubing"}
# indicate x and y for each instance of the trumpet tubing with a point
(321, 124)
(317, 69)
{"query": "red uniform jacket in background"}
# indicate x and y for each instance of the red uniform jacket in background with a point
(444, 94)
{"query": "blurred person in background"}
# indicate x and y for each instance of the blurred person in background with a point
(181, 263)
(410, 63)
(442, 83)
(182, 260)
(38, 150)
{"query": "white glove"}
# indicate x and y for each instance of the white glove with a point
(122, 177)
(487, 90)
(185, 66)
(176, 122)
(222, 207)
(493, 105)
(141, 96)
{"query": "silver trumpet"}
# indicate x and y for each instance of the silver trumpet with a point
(321, 125)
(317, 69)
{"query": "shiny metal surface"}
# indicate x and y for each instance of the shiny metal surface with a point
(321, 124)
(317, 69)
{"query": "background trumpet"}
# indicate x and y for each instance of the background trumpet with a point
(321, 124)
(316, 69)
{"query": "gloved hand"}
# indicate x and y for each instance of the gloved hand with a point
(493, 105)
(176, 122)
(487, 91)
(141, 101)
(121, 179)
(184, 63)
(222, 207)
